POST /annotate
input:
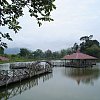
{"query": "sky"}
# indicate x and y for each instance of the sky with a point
(72, 20)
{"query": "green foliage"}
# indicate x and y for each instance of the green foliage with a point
(48, 54)
(86, 38)
(75, 47)
(89, 46)
(94, 50)
(1, 51)
(56, 55)
(11, 10)
(38, 54)
(63, 52)
(25, 53)
(87, 42)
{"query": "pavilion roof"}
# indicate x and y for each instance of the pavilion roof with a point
(78, 55)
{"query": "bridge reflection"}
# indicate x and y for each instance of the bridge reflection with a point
(17, 88)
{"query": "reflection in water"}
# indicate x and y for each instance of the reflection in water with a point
(18, 88)
(84, 75)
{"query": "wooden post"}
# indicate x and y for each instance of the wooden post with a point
(13, 74)
(6, 76)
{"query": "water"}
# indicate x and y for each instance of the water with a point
(62, 84)
(4, 66)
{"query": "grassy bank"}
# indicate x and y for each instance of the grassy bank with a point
(17, 60)
(20, 59)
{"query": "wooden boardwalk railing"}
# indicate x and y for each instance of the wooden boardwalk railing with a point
(18, 74)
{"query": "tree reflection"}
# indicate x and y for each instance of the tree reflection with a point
(84, 75)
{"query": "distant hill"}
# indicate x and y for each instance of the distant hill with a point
(12, 50)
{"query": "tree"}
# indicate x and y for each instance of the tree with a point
(87, 42)
(1, 51)
(56, 55)
(63, 52)
(89, 46)
(38, 54)
(94, 50)
(11, 10)
(86, 38)
(96, 43)
(48, 54)
(25, 53)
(69, 51)
(75, 47)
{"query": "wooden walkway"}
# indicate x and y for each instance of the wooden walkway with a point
(28, 65)
(18, 74)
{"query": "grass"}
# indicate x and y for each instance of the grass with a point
(17, 60)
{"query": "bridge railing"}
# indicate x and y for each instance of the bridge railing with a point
(18, 74)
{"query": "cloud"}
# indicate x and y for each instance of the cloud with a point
(72, 19)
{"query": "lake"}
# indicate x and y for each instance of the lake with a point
(62, 84)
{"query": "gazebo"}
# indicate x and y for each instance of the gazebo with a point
(79, 59)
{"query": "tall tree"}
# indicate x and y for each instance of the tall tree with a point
(38, 54)
(87, 42)
(75, 47)
(89, 46)
(94, 50)
(25, 53)
(56, 55)
(11, 10)
(63, 52)
(48, 54)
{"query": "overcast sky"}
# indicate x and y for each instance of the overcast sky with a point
(72, 20)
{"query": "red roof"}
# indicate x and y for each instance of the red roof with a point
(78, 55)
(3, 58)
